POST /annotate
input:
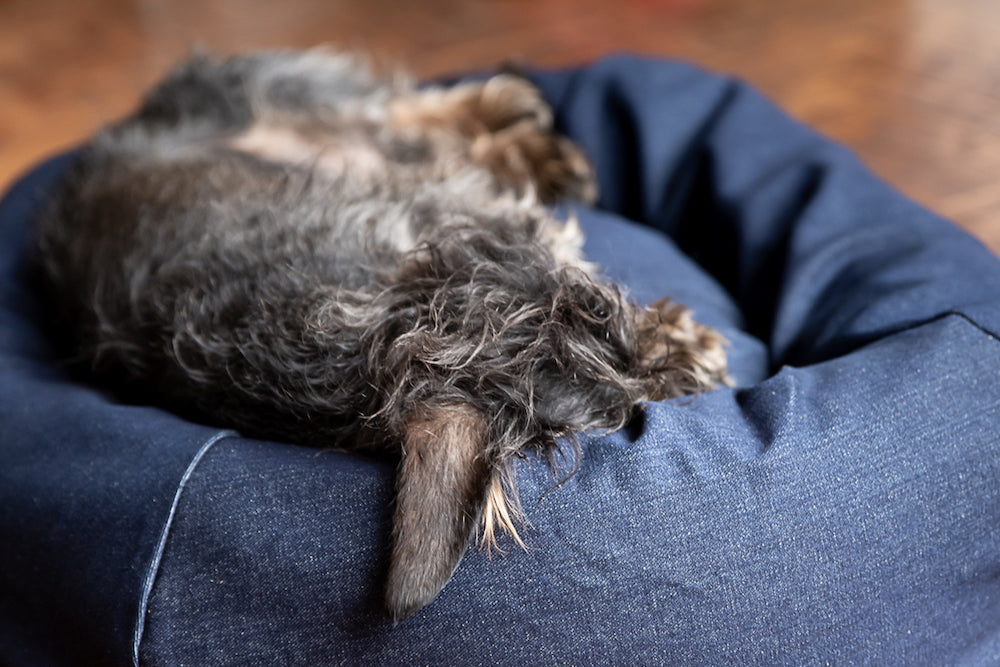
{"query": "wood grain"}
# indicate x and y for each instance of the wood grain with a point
(912, 85)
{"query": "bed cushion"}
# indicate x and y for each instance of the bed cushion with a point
(840, 504)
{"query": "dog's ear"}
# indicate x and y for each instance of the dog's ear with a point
(441, 488)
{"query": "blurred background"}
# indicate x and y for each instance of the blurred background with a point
(913, 86)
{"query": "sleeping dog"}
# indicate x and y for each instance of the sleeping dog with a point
(289, 245)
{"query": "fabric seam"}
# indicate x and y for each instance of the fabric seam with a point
(911, 326)
(154, 564)
(974, 322)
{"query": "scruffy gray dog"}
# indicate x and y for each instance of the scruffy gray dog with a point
(291, 246)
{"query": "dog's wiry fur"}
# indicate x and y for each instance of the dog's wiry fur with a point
(286, 244)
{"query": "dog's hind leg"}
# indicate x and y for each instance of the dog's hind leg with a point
(504, 126)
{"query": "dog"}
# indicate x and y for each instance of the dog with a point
(290, 245)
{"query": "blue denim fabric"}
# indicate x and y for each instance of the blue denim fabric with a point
(86, 485)
(840, 506)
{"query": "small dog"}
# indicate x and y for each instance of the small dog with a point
(291, 246)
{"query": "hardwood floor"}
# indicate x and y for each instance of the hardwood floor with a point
(911, 85)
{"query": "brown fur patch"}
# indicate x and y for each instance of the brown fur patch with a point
(287, 144)
(685, 356)
(504, 126)
(472, 109)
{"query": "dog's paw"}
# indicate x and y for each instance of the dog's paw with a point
(504, 126)
(527, 158)
(520, 147)
(506, 100)
(677, 354)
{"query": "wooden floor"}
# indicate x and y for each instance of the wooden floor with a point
(912, 85)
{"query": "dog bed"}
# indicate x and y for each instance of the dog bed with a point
(840, 504)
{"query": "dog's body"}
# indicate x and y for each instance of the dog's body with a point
(284, 244)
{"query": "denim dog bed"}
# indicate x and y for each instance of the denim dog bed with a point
(842, 504)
